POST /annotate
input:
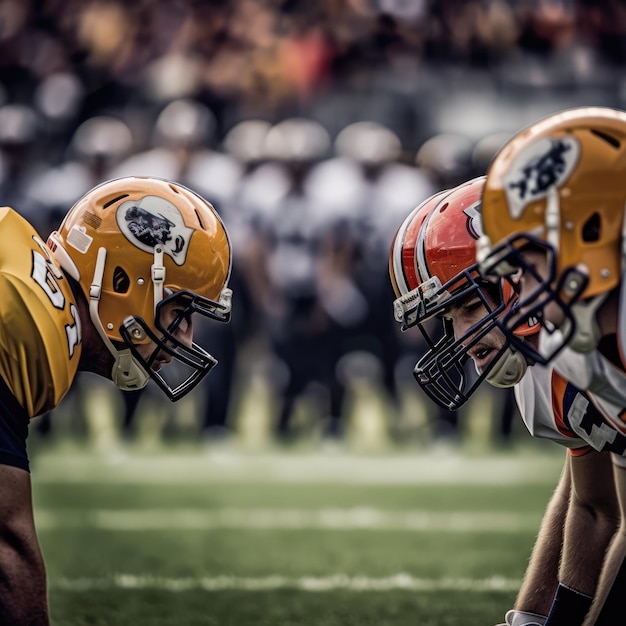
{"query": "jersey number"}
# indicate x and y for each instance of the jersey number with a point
(587, 422)
(47, 275)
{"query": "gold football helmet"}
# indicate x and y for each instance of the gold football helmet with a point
(134, 244)
(559, 187)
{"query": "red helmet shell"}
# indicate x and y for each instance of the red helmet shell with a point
(438, 238)
(403, 268)
(451, 232)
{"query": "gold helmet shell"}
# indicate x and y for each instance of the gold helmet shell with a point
(563, 180)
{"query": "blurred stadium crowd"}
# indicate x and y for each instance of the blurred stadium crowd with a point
(314, 128)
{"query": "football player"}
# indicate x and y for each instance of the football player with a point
(434, 273)
(113, 291)
(553, 214)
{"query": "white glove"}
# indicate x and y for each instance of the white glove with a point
(522, 618)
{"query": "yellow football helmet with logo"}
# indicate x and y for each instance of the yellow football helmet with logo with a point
(559, 186)
(133, 244)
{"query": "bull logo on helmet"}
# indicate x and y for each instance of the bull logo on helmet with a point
(155, 221)
(546, 163)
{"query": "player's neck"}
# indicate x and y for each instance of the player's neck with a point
(607, 315)
(95, 357)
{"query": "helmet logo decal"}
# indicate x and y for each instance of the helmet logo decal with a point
(155, 221)
(546, 163)
(474, 221)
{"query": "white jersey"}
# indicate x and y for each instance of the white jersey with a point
(606, 386)
(547, 404)
(598, 416)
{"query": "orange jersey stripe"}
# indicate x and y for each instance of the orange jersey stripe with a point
(559, 385)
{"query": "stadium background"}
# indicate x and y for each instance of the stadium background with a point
(314, 127)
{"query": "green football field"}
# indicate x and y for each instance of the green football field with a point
(185, 537)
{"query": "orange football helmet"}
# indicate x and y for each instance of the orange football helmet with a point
(558, 186)
(432, 267)
(134, 244)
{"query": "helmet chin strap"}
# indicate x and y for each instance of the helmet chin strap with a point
(587, 333)
(621, 324)
(127, 373)
(158, 276)
(508, 370)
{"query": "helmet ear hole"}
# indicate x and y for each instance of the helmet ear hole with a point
(199, 219)
(610, 139)
(114, 200)
(592, 228)
(121, 280)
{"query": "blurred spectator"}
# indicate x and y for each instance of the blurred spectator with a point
(20, 159)
(447, 157)
(375, 150)
(290, 272)
(94, 149)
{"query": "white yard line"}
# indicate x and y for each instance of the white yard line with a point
(240, 467)
(358, 518)
(336, 582)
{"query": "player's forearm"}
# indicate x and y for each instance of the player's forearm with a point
(588, 534)
(601, 612)
(541, 578)
(592, 521)
(22, 583)
(609, 594)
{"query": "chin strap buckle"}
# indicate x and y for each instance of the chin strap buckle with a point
(95, 289)
(158, 275)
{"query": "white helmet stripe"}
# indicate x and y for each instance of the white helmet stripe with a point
(420, 250)
(398, 265)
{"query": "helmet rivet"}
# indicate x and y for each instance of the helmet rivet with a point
(140, 281)
(110, 326)
(605, 273)
(136, 333)
(569, 225)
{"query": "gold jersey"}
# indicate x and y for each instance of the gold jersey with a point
(40, 336)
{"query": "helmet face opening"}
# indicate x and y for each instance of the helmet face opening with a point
(550, 298)
(185, 364)
(446, 371)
